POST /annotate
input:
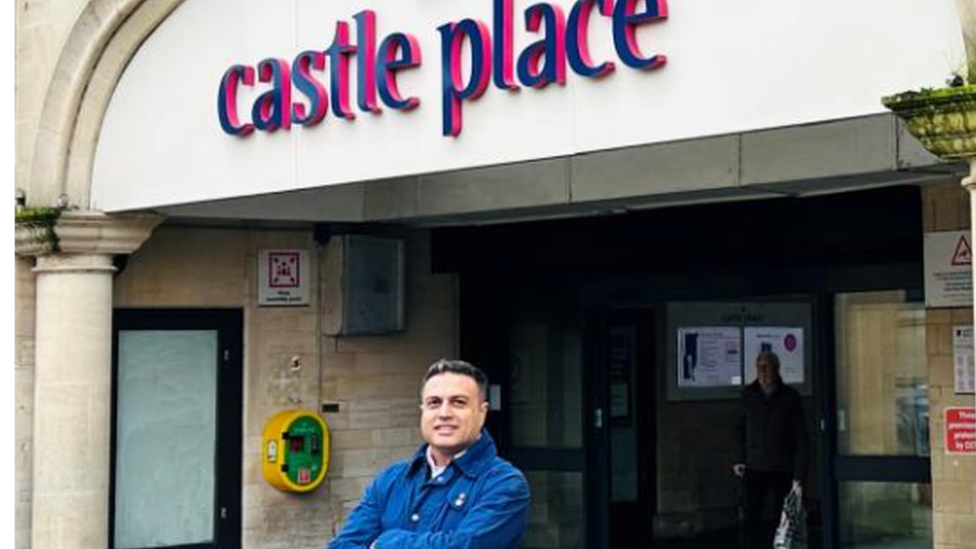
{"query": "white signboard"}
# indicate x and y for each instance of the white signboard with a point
(283, 278)
(962, 353)
(786, 342)
(948, 269)
(709, 356)
(714, 67)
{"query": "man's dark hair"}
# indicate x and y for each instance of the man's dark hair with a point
(453, 366)
(770, 357)
(773, 360)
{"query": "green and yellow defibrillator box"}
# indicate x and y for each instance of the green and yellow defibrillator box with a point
(296, 451)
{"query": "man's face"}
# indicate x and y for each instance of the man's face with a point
(453, 413)
(766, 373)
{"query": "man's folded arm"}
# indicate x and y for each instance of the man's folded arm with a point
(496, 522)
(364, 524)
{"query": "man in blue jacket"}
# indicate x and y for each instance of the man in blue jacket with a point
(455, 492)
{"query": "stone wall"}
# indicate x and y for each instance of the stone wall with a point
(953, 476)
(42, 30)
(375, 380)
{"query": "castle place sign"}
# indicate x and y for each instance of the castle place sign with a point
(487, 51)
(379, 87)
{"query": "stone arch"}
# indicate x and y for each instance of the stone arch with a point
(99, 47)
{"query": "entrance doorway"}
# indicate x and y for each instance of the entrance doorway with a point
(623, 433)
(667, 379)
(621, 452)
(176, 436)
(624, 440)
(881, 472)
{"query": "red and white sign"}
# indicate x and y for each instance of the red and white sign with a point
(964, 253)
(282, 278)
(960, 426)
(284, 269)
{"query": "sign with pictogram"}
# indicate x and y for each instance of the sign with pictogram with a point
(948, 269)
(960, 430)
(964, 253)
(283, 269)
(282, 278)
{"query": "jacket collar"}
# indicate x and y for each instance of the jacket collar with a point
(475, 459)
(755, 388)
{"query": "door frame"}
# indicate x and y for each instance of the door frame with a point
(598, 420)
(229, 324)
(839, 467)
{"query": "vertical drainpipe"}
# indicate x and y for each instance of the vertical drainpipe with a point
(969, 183)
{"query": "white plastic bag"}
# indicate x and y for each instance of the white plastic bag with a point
(792, 532)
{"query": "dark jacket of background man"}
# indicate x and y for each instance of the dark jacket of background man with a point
(774, 431)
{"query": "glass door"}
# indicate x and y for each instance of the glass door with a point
(177, 430)
(881, 467)
(545, 405)
(623, 373)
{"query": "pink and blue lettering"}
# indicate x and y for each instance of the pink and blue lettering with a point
(560, 41)
(504, 71)
(552, 47)
(272, 110)
(625, 21)
(339, 53)
(577, 39)
(227, 100)
(454, 89)
(365, 60)
(313, 90)
(397, 52)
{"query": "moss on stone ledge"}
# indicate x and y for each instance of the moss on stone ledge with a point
(40, 224)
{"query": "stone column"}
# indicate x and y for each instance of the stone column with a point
(24, 307)
(73, 360)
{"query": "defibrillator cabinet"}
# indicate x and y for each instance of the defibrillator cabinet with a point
(296, 451)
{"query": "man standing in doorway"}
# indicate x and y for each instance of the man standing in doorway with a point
(455, 492)
(774, 436)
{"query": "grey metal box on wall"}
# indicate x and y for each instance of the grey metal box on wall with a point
(363, 285)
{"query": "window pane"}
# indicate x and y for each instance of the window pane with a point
(878, 514)
(882, 391)
(545, 391)
(166, 425)
(556, 511)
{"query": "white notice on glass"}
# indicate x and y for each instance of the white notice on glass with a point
(709, 356)
(786, 342)
(962, 352)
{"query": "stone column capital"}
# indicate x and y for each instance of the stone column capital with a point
(83, 233)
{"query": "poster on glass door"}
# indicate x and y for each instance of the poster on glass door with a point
(785, 342)
(709, 356)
